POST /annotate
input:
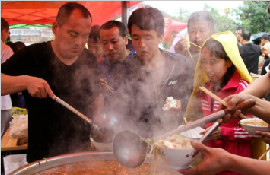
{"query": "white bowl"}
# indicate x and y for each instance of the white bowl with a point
(252, 128)
(177, 158)
(102, 146)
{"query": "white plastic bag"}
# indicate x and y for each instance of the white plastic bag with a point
(19, 127)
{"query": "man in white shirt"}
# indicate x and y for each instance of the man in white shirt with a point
(6, 53)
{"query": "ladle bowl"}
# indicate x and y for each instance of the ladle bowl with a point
(129, 149)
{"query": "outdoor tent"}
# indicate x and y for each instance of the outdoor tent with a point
(172, 27)
(44, 12)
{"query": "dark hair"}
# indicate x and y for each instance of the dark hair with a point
(121, 26)
(147, 19)
(17, 46)
(66, 10)
(217, 50)
(265, 36)
(202, 16)
(4, 24)
(94, 35)
(240, 28)
(246, 34)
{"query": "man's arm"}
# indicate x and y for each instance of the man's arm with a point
(216, 160)
(36, 87)
(259, 87)
(243, 103)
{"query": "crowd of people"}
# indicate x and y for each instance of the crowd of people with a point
(122, 86)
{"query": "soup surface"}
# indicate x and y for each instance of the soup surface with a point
(108, 167)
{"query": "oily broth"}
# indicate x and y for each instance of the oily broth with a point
(107, 167)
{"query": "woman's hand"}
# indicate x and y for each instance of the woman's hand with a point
(214, 136)
(265, 136)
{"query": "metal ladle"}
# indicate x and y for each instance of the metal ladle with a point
(130, 149)
(75, 111)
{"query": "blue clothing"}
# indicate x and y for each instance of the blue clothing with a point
(114, 71)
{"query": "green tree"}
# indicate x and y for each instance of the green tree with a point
(254, 16)
(222, 22)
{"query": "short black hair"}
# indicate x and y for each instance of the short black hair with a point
(4, 25)
(121, 26)
(265, 37)
(147, 19)
(66, 10)
(246, 34)
(202, 16)
(94, 35)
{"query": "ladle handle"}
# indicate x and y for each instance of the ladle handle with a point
(199, 122)
(69, 107)
(210, 131)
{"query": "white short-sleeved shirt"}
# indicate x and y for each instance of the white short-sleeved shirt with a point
(6, 53)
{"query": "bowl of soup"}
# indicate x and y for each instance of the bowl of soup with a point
(252, 125)
(176, 151)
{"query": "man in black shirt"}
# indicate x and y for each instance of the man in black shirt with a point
(249, 52)
(62, 68)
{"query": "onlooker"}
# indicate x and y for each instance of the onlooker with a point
(94, 44)
(6, 103)
(200, 28)
(217, 160)
(113, 37)
(238, 34)
(266, 67)
(249, 52)
(63, 68)
(224, 74)
(154, 75)
(265, 42)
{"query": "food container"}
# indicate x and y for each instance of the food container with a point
(252, 125)
(178, 158)
(90, 163)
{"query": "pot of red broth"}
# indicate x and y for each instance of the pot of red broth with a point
(91, 163)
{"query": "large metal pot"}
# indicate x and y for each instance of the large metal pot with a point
(40, 166)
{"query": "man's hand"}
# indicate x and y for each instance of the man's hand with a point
(214, 160)
(236, 104)
(38, 87)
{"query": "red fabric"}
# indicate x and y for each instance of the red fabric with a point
(234, 139)
(44, 12)
(172, 27)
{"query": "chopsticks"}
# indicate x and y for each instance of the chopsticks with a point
(109, 88)
(103, 82)
(264, 154)
(217, 98)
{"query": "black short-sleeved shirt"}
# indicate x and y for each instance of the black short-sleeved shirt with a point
(52, 129)
(250, 54)
(145, 104)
